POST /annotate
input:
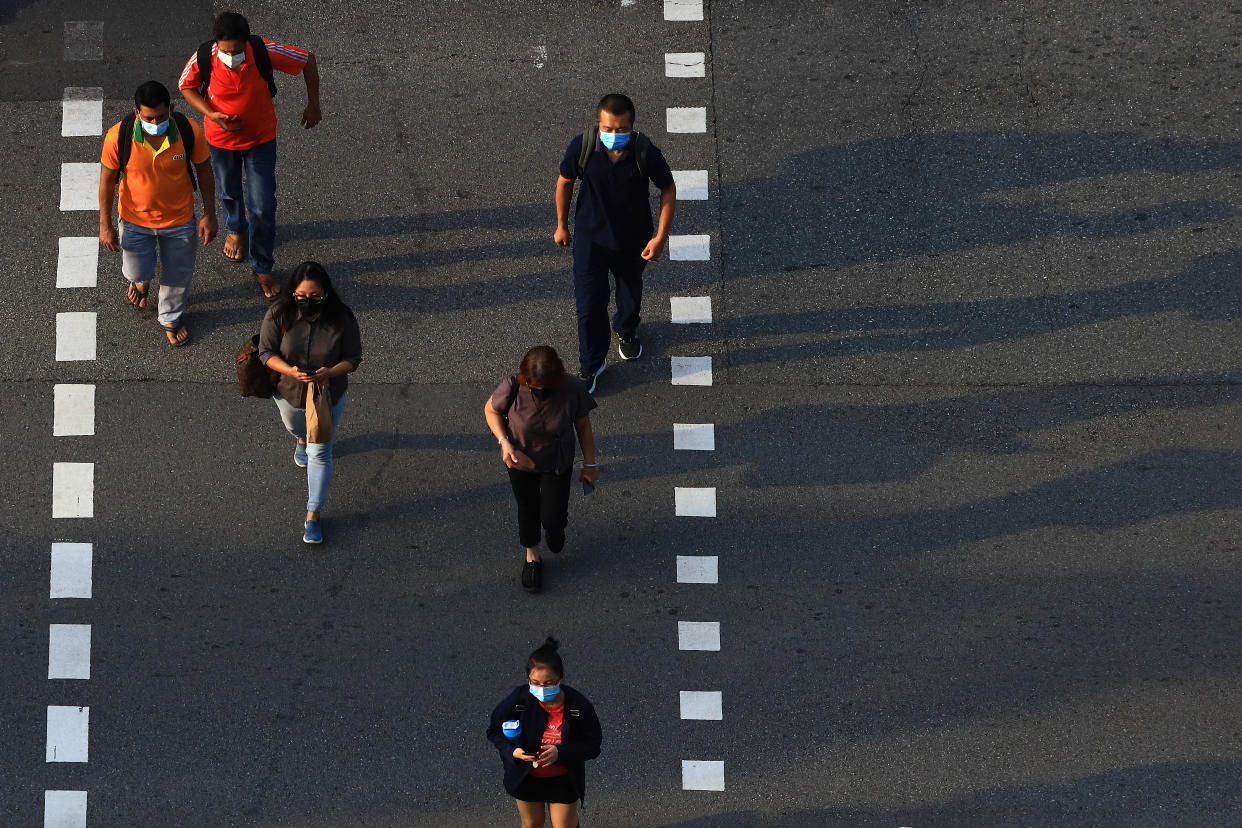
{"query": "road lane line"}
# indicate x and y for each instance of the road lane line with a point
(691, 185)
(540, 55)
(697, 775)
(79, 186)
(695, 502)
(690, 310)
(71, 570)
(694, 437)
(698, 569)
(73, 490)
(690, 248)
(703, 705)
(686, 119)
(69, 651)
(64, 809)
(75, 336)
(692, 370)
(73, 410)
(683, 9)
(685, 65)
(77, 263)
(67, 733)
(698, 635)
(84, 39)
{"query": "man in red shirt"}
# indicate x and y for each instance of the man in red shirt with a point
(240, 122)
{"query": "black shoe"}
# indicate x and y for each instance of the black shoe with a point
(630, 347)
(532, 575)
(589, 377)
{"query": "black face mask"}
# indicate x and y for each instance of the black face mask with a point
(541, 393)
(308, 305)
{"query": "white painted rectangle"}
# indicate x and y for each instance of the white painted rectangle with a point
(67, 733)
(69, 651)
(79, 186)
(71, 570)
(692, 370)
(685, 64)
(694, 437)
(687, 119)
(64, 809)
(84, 39)
(698, 635)
(690, 248)
(691, 185)
(75, 336)
(73, 410)
(683, 9)
(73, 490)
(702, 705)
(698, 569)
(698, 775)
(77, 265)
(81, 118)
(695, 502)
(690, 310)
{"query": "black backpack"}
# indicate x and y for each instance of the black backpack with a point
(262, 62)
(125, 142)
(640, 144)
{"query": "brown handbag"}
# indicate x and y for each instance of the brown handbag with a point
(254, 379)
(318, 413)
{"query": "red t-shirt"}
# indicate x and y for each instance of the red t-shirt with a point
(552, 736)
(243, 92)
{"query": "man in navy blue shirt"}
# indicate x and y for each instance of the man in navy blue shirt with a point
(613, 230)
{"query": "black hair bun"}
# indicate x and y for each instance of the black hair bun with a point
(550, 643)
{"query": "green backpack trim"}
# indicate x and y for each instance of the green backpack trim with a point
(640, 144)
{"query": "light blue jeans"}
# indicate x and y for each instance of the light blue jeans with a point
(318, 455)
(177, 248)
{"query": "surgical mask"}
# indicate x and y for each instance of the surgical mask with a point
(545, 693)
(541, 393)
(308, 305)
(155, 129)
(232, 61)
(614, 140)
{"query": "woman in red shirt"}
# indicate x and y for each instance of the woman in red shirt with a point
(545, 731)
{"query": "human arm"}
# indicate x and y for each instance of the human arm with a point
(583, 742)
(564, 195)
(208, 226)
(586, 439)
(668, 206)
(230, 122)
(496, 423)
(495, 735)
(107, 194)
(311, 115)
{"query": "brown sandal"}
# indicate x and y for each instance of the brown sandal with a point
(239, 247)
(269, 283)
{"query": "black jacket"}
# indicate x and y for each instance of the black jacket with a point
(580, 735)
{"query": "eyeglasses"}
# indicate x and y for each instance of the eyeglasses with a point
(310, 296)
(551, 683)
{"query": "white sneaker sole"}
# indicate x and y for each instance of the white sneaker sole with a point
(628, 358)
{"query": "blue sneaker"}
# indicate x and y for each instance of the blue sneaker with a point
(299, 455)
(312, 534)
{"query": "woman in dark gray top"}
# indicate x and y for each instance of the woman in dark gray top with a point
(310, 336)
(535, 416)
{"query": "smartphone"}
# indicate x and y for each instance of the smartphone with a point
(587, 488)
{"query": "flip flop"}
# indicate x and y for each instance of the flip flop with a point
(270, 285)
(136, 297)
(241, 247)
(174, 329)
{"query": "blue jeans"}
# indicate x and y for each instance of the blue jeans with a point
(318, 455)
(259, 164)
(177, 248)
(591, 293)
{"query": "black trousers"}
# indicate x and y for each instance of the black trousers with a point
(542, 499)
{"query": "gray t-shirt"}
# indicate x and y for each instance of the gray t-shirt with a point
(542, 431)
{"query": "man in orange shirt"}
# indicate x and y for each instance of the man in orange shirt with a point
(150, 153)
(229, 80)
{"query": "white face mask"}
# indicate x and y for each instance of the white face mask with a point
(232, 61)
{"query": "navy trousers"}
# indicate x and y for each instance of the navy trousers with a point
(592, 264)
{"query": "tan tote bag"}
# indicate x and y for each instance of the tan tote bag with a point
(318, 414)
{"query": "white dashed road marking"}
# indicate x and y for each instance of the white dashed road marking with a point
(692, 370)
(77, 264)
(690, 248)
(73, 490)
(71, 570)
(64, 809)
(702, 776)
(84, 39)
(686, 119)
(698, 569)
(683, 9)
(685, 65)
(705, 705)
(690, 310)
(698, 635)
(79, 186)
(691, 185)
(695, 502)
(69, 651)
(81, 118)
(67, 733)
(75, 336)
(73, 410)
(694, 437)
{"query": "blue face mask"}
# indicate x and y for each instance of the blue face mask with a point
(545, 693)
(155, 129)
(614, 140)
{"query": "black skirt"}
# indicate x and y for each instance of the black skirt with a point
(546, 789)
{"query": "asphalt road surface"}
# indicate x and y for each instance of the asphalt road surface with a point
(977, 467)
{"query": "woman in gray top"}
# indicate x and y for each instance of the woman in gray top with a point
(310, 336)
